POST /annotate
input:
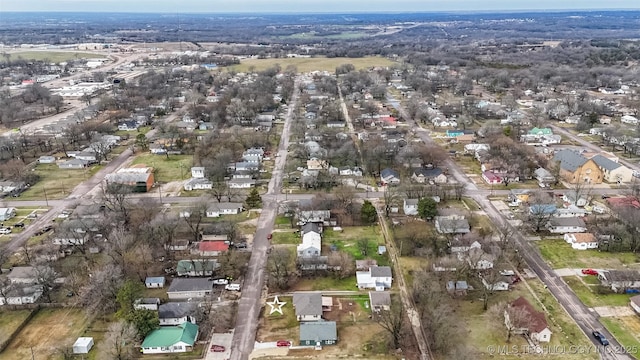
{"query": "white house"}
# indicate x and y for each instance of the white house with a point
(390, 177)
(410, 207)
(176, 313)
(563, 225)
(581, 241)
(197, 172)
(314, 216)
(224, 208)
(19, 294)
(189, 288)
(496, 286)
(613, 172)
(198, 184)
(7, 213)
(171, 339)
(634, 301)
(22, 275)
(154, 282)
(146, 304)
(310, 247)
(570, 197)
(378, 277)
(241, 183)
(628, 119)
(44, 159)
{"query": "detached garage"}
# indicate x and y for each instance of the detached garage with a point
(83, 345)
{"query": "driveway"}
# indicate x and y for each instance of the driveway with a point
(225, 340)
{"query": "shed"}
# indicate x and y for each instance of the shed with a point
(154, 282)
(83, 345)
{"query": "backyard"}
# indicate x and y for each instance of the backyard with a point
(174, 168)
(56, 183)
(589, 296)
(47, 332)
(10, 321)
(560, 255)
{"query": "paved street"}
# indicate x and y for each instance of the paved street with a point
(250, 303)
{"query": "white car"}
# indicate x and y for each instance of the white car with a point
(232, 287)
(5, 231)
(220, 281)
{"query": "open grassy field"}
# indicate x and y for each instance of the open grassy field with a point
(589, 296)
(289, 237)
(327, 283)
(311, 64)
(175, 168)
(52, 56)
(559, 255)
(9, 322)
(46, 332)
(347, 240)
(55, 182)
(275, 326)
(626, 329)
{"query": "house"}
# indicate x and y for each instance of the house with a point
(452, 224)
(7, 213)
(197, 172)
(241, 183)
(308, 306)
(491, 178)
(410, 207)
(454, 133)
(544, 176)
(389, 177)
(542, 209)
(348, 171)
(574, 167)
(519, 196)
(499, 285)
(224, 208)
(314, 216)
(19, 294)
(628, 119)
(574, 198)
(540, 131)
(562, 225)
(457, 288)
(73, 164)
(581, 241)
(612, 171)
(380, 300)
(46, 159)
(150, 304)
(198, 184)
(634, 301)
(82, 345)
(378, 277)
(311, 230)
(336, 124)
(176, 313)
(138, 179)
(129, 125)
(171, 339)
(311, 245)
(22, 275)
(189, 288)
(318, 333)
(479, 260)
(366, 264)
(429, 175)
(212, 248)
(570, 211)
(449, 263)
(620, 280)
(537, 328)
(196, 267)
(317, 164)
(88, 156)
(253, 155)
(154, 282)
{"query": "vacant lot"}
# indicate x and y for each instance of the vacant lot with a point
(56, 183)
(311, 64)
(52, 56)
(276, 327)
(47, 331)
(559, 255)
(589, 296)
(175, 168)
(9, 322)
(348, 239)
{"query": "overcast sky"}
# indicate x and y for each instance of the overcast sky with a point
(327, 6)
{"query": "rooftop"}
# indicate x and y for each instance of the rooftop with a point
(307, 303)
(167, 336)
(190, 284)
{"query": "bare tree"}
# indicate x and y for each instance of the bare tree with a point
(280, 266)
(540, 210)
(342, 263)
(391, 199)
(515, 318)
(392, 320)
(99, 294)
(119, 342)
(194, 217)
(45, 277)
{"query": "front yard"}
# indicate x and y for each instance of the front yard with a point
(589, 296)
(560, 255)
(626, 329)
(174, 168)
(56, 183)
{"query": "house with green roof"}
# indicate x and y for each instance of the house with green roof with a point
(171, 339)
(196, 267)
(540, 131)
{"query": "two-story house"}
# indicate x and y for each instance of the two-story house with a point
(574, 168)
(378, 278)
(308, 306)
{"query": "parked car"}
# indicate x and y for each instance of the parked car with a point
(589, 272)
(18, 225)
(232, 287)
(269, 236)
(5, 230)
(632, 291)
(507, 272)
(283, 343)
(217, 348)
(603, 340)
(221, 281)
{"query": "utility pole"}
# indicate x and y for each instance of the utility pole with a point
(45, 195)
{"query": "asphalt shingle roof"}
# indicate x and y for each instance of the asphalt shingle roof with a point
(570, 160)
(605, 163)
(318, 331)
(307, 303)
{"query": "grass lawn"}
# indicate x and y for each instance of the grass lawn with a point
(47, 331)
(175, 168)
(52, 56)
(626, 329)
(311, 64)
(409, 265)
(326, 283)
(289, 237)
(589, 296)
(55, 182)
(283, 222)
(132, 134)
(347, 240)
(9, 322)
(275, 326)
(560, 255)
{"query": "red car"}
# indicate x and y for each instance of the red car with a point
(589, 272)
(217, 348)
(269, 236)
(282, 343)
